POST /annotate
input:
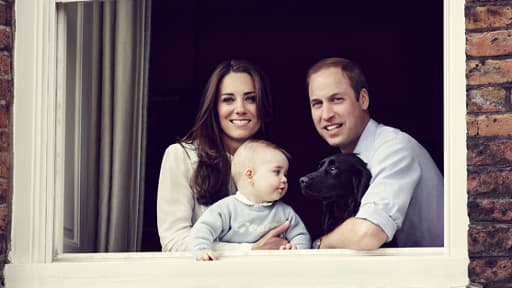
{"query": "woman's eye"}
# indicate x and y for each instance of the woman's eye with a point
(276, 172)
(227, 99)
(251, 98)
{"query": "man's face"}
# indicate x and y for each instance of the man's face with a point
(338, 117)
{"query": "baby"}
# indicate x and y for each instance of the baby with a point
(259, 170)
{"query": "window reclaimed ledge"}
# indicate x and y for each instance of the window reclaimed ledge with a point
(414, 267)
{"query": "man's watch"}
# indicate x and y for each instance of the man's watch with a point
(316, 243)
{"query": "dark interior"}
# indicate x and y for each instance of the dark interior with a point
(398, 44)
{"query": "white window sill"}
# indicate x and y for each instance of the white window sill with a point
(415, 267)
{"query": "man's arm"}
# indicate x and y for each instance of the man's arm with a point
(355, 233)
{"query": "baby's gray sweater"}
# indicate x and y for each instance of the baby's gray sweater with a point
(231, 220)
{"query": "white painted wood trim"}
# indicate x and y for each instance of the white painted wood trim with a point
(456, 220)
(32, 263)
(269, 269)
(60, 111)
(33, 136)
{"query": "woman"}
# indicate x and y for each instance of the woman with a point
(195, 173)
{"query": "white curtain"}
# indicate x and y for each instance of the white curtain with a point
(104, 55)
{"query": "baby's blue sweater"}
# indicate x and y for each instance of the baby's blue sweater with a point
(231, 220)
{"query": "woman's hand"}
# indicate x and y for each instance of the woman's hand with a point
(271, 240)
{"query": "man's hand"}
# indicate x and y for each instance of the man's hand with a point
(271, 240)
(355, 233)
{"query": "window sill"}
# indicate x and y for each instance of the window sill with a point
(415, 267)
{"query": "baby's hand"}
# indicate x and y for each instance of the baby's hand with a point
(207, 255)
(288, 247)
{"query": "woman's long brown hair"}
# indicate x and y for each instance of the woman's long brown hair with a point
(211, 178)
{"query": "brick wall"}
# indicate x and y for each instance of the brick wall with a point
(489, 141)
(6, 85)
(6, 88)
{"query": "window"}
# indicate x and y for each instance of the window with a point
(35, 262)
(99, 131)
(290, 38)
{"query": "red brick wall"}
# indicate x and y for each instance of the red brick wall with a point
(489, 141)
(6, 88)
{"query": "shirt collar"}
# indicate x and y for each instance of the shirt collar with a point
(245, 200)
(364, 146)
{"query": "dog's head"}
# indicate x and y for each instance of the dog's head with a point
(340, 175)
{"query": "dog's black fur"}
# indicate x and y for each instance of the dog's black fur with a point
(340, 182)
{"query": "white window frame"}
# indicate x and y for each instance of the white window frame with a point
(36, 262)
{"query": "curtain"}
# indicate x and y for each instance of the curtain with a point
(120, 186)
(106, 74)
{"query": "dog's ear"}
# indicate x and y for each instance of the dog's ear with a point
(361, 183)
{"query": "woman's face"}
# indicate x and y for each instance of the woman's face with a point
(238, 113)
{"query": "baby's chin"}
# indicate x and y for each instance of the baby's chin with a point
(278, 195)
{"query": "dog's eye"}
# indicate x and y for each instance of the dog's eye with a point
(333, 170)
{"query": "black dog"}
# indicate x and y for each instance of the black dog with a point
(340, 182)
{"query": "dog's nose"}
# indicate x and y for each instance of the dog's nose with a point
(303, 180)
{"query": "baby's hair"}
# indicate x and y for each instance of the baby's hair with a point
(246, 154)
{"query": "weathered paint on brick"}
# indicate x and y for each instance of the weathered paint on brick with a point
(494, 210)
(471, 125)
(5, 38)
(4, 191)
(5, 164)
(488, 71)
(494, 43)
(4, 116)
(489, 125)
(490, 153)
(491, 270)
(489, 99)
(5, 140)
(6, 90)
(4, 218)
(5, 14)
(488, 17)
(484, 182)
(493, 240)
(5, 66)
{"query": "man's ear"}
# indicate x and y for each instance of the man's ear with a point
(364, 99)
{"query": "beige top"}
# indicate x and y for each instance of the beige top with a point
(177, 208)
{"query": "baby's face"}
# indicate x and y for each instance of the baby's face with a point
(270, 169)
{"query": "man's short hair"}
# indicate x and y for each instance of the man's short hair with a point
(351, 69)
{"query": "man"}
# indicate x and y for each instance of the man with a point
(405, 196)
